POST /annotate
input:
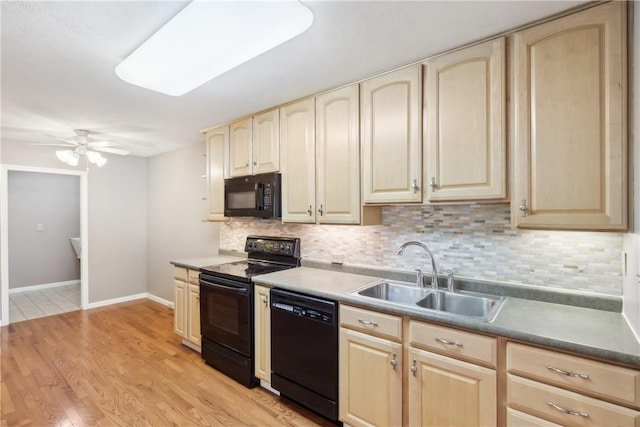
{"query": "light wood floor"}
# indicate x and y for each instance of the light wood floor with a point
(123, 366)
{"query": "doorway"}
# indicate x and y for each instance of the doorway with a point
(40, 295)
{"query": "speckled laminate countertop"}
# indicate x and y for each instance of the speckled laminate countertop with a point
(597, 333)
(198, 263)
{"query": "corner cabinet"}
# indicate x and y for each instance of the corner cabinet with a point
(391, 139)
(217, 141)
(297, 155)
(465, 124)
(570, 122)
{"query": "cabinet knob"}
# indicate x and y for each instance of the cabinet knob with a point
(523, 207)
(414, 368)
(265, 300)
(394, 361)
(321, 210)
(432, 183)
(246, 164)
(414, 186)
(310, 211)
(255, 163)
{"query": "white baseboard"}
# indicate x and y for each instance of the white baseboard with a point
(129, 298)
(43, 286)
(161, 300)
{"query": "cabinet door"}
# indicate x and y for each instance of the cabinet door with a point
(266, 142)
(180, 308)
(240, 148)
(193, 314)
(465, 156)
(370, 380)
(338, 156)
(448, 392)
(262, 316)
(297, 155)
(391, 139)
(217, 141)
(570, 137)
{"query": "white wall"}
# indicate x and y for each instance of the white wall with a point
(42, 256)
(117, 219)
(176, 210)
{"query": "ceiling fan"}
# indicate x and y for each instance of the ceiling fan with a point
(81, 144)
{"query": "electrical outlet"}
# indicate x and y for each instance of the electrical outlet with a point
(337, 258)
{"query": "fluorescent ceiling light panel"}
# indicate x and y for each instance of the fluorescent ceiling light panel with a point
(208, 38)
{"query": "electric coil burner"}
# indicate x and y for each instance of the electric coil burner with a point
(226, 304)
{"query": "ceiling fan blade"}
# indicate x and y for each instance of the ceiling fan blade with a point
(60, 138)
(103, 143)
(119, 151)
(50, 144)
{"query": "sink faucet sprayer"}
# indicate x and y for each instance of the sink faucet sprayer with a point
(434, 270)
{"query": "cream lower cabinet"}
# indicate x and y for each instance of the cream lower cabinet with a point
(570, 137)
(569, 390)
(262, 323)
(370, 374)
(186, 314)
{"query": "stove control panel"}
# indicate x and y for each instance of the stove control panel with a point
(286, 246)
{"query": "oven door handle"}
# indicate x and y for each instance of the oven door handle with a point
(226, 285)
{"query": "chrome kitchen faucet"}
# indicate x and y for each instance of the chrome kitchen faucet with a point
(434, 269)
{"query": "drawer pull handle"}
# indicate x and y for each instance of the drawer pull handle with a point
(566, 411)
(414, 368)
(445, 342)
(569, 374)
(394, 362)
(368, 323)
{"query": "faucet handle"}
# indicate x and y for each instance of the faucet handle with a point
(419, 278)
(450, 283)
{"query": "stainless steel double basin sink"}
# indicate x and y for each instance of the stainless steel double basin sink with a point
(462, 304)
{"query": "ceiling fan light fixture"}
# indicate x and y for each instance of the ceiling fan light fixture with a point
(101, 162)
(208, 38)
(93, 156)
(73, 160)
(64, 155)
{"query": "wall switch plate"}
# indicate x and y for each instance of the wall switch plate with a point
(39, 227)
(337, 258)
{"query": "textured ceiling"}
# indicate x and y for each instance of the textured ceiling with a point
(58, 61)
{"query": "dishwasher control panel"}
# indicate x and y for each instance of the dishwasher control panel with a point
(303, 312)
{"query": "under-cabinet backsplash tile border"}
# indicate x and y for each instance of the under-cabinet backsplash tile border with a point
(476, 241)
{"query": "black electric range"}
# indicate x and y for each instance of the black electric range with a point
(226, 304)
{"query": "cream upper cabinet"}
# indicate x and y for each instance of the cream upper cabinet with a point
(240, 163)
(569, 122)
(391, 138)
(266, 142)
(297, 155)
(338, 159)
(464, 124)
(217, 142)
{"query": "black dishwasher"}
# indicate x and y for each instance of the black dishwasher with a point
(304, 350)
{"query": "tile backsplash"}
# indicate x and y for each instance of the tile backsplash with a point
(476, 241)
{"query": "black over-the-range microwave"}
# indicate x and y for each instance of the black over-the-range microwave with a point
(255, 195)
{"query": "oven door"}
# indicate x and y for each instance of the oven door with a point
(226, 314)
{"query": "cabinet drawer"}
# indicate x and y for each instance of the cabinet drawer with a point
(521, 419)
(180, 273)
(565, 407)
(452, 342)
(194, 276)
(583, 375)
(371, 322)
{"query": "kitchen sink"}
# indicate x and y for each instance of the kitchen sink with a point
(400, 293)
(474, 305)
(468, 304)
